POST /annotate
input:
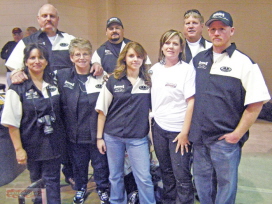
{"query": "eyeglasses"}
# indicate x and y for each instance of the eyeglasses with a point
(192, 11)
(84, 55)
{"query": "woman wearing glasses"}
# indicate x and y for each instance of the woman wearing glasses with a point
(79, 90)
(172, 94)
(31, 113)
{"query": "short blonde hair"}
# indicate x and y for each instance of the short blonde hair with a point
(80, 43)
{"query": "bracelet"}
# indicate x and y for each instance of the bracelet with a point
(99, 138)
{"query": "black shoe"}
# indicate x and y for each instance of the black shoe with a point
(79, 197)
(133, 197)
(104, 196)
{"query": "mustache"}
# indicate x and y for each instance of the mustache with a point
(115, 34)
(53, 29)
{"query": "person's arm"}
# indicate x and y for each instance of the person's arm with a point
(100, 128)
(16, 65)
(4, 52)
(248, 118)
(96, 69)
(182, 137)
(16, 58)
(21, 155)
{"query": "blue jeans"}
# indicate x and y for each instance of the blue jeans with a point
(175, 168)
(215, 169)
(138, 153)
(81, 156)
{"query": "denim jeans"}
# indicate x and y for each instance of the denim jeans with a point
(49, 171)
(138, 153)
(215, 169)
(81, 156)
(175, 168)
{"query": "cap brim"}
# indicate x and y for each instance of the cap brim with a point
(208, 23)
(114, 22)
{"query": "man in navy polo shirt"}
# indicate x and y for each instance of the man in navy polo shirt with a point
(230, 92)
(107, 54)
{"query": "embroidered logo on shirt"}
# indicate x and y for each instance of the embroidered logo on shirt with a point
(31, 94)
(120, 88)
(144, 87)
(202, 65)
(99, 86)
(52, 88)
(225, 69)
(64, 44)
(172, 85)
(69, 85)
(108, 52)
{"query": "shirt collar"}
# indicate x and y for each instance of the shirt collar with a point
(40, 33)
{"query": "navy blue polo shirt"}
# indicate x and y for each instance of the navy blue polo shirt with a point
(78, 102)
(24, 105)
(224, 88)
(126, 107)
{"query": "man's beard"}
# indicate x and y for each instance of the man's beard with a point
(115, 39)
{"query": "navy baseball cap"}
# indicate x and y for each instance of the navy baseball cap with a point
(16, 30)
(222, 16)
(114, 20)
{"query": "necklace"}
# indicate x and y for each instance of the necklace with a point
(83, 89)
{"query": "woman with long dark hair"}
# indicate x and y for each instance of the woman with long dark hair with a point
(31, 114)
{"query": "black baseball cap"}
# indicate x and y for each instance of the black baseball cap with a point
(222, 16)
(114, 20)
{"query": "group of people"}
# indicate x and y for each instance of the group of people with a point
(64, 107)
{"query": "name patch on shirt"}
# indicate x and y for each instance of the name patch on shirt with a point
(120, 88)
(69, 85)
(202, 65)
(108, 52)
(31, 94)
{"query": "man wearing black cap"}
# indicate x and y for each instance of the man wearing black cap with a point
(192, 29)
(230, 92)
(106, 55)
(9, 46)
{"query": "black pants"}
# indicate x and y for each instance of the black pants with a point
(81, 156)
(175, 168)
(49, 171)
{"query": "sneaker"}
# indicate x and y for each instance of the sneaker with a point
(104, 196)
(133, 198)
(79, 197)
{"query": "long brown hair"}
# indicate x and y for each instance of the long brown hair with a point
(121, 67)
